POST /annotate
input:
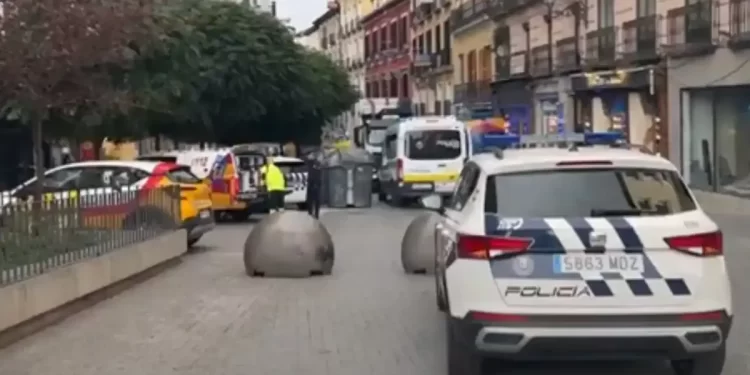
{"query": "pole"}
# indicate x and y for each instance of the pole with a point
(550, 48)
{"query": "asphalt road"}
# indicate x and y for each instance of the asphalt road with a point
(207, 317)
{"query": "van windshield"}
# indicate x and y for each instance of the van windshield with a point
(433, 144)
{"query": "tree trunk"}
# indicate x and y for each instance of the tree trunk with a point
(38, 138)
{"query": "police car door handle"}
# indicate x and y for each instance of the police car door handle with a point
(442, 165)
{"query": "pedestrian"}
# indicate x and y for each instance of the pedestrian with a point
(275, 185)
(314, 181)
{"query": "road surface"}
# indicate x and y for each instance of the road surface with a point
(207, 317)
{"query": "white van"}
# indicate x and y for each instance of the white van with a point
(422, 156)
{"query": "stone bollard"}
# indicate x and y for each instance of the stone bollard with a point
(418, 244)
(289, 244)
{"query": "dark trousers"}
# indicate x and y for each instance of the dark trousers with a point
(313, 201)
(276, 200)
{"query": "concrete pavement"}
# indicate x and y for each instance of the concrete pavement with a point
(208, 317)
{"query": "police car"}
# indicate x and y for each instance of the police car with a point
(585, 250)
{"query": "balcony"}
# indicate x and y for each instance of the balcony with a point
(691, 30)
(469, 12)
(739, 24)
(473, 92)
(442, 61)
(640, 39)
(540, 61)
(601, 48)
(500, 8)
(568, 59)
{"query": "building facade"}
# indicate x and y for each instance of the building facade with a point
(432, 69)
(352, 39)
(709, 93)
(387, 54)
(472, 57)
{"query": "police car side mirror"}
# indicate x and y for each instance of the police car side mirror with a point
(359, 136)
(433, 202)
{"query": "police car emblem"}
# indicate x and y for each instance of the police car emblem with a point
(523, 265)
(510, 223)
(597, 239)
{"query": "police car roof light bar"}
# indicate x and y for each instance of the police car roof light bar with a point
(492, 142)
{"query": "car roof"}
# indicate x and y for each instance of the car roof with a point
(139, 164)
(519, 160)
(287, 159)
(424, 122)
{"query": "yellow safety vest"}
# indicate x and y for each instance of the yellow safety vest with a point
(274, 177)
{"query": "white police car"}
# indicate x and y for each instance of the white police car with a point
(595, 252)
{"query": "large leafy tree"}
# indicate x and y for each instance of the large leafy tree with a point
(224, 73)
(58, 57)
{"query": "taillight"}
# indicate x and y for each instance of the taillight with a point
(234, 187)
(583, 163)
(497, 318)
(703, 316)
(485, 247)
(703, 244)
(400, 169)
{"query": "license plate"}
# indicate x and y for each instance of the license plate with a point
(574, 263)
(205, 214)
(421, 186)
(445, 186)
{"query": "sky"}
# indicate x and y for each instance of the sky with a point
(300, 12)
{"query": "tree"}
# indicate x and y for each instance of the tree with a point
(60, 57)
(227, 74)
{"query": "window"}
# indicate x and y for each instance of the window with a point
(428, 42)
(404, 31)
(367, 46)
(437, 105)
(394, 35)
(292, 166)
(537, 194)
(485, 64)
(471, 66)
(461, 69)
(446, 107)
(368, 92)
(433, 144)
(383, 38)
(394, 87)
(183, 175)
(375, 48)
(646, 8)
(420, 45)
(384, 88)
(467, 183)
(716, 156)
(65, 179)
(447, 34)
(405, 86)
(438, 41)
(375, 89)
(606, 13)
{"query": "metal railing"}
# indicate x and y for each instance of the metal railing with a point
(567, 55)
(601, 46)
(640, 38)
(468, 12)
(476, 91)
(69, 226)
(540, 61)
(692, 24)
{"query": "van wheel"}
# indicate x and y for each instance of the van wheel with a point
(462, 359)
(704, 364)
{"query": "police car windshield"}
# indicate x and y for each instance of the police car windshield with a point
(578, 193)
(433, 144)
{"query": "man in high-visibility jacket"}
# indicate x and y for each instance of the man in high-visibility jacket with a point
(275, 184)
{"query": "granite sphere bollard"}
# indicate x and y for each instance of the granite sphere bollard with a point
(418, 244)
(289, 244)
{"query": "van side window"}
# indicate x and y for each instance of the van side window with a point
(390, 146)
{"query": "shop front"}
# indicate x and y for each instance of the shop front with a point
(715, 135)
(512, 100)
(550, 100)
(631, 101)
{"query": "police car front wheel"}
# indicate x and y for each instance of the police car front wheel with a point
(711, 363)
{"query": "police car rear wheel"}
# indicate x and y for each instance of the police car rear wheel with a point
(705, 364)
(462, 359)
